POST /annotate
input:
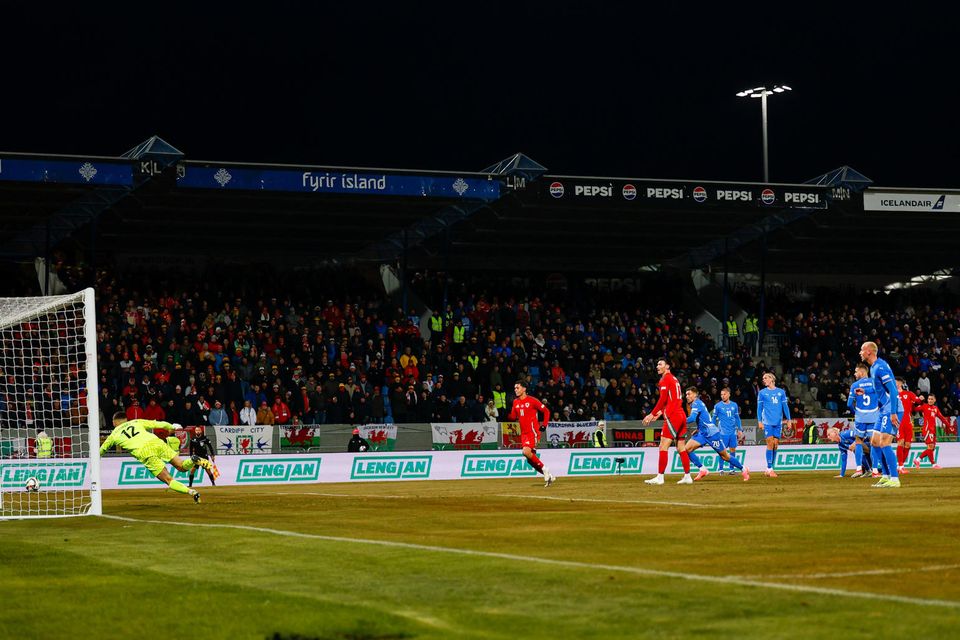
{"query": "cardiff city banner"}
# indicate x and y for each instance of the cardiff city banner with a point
(465, 435)
(911, 201)
(658, 194)
(244, 439)
(91, 171)
(339, 181)
(382, 437)
(510, 437)
(573, 434)
(299, 436)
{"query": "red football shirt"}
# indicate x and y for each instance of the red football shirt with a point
(930, 414)
(525, 412)
(909, 401)
(670, 401)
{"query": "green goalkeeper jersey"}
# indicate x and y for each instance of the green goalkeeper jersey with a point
(133, 434)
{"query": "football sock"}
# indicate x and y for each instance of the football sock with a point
(535, 463)
(736, 464)
(843, 462)
(769, 458)
(662, 466)
(694, 459)
(720, 463)
(891, 461)
(906, 453)
(176, 485)
(685, 460)
(858, 456)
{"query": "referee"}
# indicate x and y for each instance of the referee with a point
(201, 447)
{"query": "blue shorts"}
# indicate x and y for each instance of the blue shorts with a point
(715, 441)
(729, 440)
(863, 430)
(885, 425)
(772, 430)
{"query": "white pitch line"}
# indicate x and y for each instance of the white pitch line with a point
(657, 502)
(848, 574)
(729, 580)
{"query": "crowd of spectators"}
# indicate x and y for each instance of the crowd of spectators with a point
(917, 331)
(282, 351)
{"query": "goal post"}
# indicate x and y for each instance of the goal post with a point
(49, 410)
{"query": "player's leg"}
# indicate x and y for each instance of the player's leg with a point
(157, 467)
(858, 455)
(889, 455)
(724, 454)
(665, 441)
(876, 452)
(213, 479)
(689, 447)
(773, 443)
(531, 455)
(684, 460)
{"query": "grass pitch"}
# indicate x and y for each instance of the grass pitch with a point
(802, 556)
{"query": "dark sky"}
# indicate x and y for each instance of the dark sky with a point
(633, 91)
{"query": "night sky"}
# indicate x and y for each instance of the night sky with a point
(634, 91)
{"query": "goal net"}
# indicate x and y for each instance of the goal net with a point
(49, 417)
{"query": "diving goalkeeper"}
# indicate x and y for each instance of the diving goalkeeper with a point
(136, 437)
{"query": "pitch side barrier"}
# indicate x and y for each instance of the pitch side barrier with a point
(126, 473)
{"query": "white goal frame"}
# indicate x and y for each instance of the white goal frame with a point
(74, 486)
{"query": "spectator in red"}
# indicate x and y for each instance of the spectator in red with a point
(154, 411)
(281, 411)
(135, 411)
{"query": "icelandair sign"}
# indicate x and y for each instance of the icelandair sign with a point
(911, 201)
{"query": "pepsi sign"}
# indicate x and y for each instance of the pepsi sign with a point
(767, 196)
(629, 192)
(556, 189)
(699, 194)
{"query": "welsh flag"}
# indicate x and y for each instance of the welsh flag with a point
(299, 436)
(382, 437)
(465, 435)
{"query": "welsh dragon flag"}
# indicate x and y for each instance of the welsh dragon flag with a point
(299, 436)
(465, 435)
(382, 437)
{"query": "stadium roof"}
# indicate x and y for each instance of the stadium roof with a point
(512, 217)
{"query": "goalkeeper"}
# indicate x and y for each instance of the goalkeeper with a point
(136, 437)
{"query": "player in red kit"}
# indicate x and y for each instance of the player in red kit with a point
(909, 401)
(930, 412)
(525, 410)
(670, 406)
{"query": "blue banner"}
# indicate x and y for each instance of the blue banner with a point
(66, 171)
(337, 181)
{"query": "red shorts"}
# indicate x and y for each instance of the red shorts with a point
(930, 436)
(674, 426)
(529, 439)
(906, 431)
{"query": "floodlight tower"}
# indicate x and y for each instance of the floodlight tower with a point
(762, 93)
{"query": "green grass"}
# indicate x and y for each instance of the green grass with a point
(120, 579)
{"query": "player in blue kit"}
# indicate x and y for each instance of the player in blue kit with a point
(726, 415)
(888, 414)
(771, 410)
(862, 400)
(845, 441)
(707, 434)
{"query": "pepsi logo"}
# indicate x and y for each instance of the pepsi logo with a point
(556, 189)
(629, 192)
(699, 194)
(767, 196)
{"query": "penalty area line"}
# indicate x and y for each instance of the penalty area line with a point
(640, 571)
